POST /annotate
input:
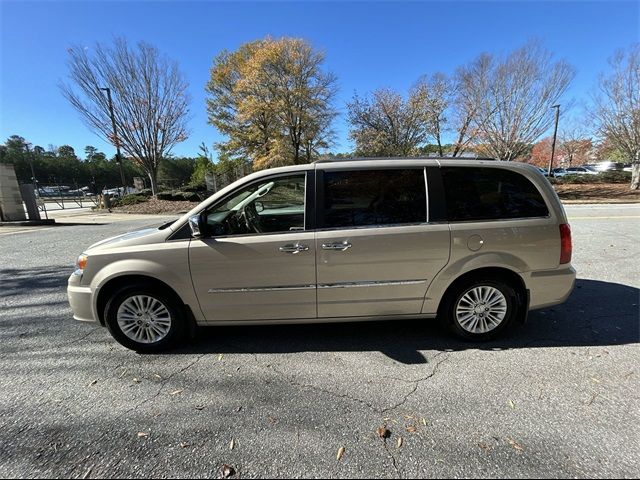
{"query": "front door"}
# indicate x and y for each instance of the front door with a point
(257, 261)
(376, 251)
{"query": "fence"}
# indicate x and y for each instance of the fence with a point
(64, 196)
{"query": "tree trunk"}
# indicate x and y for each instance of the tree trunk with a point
(635, 176)
(153, 177)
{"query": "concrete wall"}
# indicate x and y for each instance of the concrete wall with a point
(11, 208)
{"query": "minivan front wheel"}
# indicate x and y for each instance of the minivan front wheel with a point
(480, 309)
(144, 320)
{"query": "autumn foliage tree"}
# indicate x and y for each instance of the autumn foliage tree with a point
(273, 101)
(150, 100)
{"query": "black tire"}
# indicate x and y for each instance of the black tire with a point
(177, 328)
(460, 289)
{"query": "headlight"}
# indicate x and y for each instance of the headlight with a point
(81, 262)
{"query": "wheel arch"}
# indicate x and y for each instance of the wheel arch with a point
(114, 284)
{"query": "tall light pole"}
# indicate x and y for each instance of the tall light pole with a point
(555, 133)
(115, 138)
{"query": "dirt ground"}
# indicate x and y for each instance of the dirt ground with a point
(597, 193)
(155, 206)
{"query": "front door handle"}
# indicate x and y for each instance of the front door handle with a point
(294, 248)
(340, 246)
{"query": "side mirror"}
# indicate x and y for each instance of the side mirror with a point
(197, 223)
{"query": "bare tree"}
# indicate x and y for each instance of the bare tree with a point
(150, 101)
(385, 124)
(616, 107)
(513, 97)
(575, 144)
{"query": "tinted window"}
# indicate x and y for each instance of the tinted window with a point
(490, 193)
(373, 197)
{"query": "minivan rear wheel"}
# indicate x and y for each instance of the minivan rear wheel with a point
(144, 320)
(479, 309)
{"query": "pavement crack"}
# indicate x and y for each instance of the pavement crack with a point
(416, 384)
(164, 383)
(392, 456)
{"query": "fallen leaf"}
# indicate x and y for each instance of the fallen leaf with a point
(228, 471)
(411, 429)
(485, 447)
(135, 380)
(176, 392)
(515, 445)
(340, 453)
(271, 419)
(199, 407)
(384, 432)
(232, 445)
(142, 434)
(595, 380)
(157, 376)
(93, 382)
(399, 442)
(220, 357)
(184, 445)
(512, 405)
(239, 408)
(424, 422)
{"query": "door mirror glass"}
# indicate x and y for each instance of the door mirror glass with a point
(197, 225)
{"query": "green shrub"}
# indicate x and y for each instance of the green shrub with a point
(131, 199)
(604, 177)
(146, 192)
(165, 195)
(179, 196)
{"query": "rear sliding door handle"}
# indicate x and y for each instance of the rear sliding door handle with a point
(339, 246)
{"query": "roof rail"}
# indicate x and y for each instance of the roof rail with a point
(362, 159)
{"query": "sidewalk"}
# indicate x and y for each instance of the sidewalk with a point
(82, 216)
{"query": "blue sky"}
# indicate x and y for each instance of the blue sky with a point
(367, 45)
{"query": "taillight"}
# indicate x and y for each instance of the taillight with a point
(565, 243)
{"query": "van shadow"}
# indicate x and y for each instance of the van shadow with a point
(596, 314)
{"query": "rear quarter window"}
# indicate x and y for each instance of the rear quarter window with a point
(490, 194)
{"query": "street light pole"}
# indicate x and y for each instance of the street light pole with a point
(555, 133)
(115, 139)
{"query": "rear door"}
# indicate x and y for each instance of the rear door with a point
(376, 251)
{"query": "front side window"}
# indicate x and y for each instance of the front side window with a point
(361, 198)
(490, 194)
(270, 206)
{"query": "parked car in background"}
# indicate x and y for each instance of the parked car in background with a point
(475, 243)
(583, 170)
(559, 172)
(544, 171)
(609, 166)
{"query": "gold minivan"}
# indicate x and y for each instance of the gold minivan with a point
(476, 243)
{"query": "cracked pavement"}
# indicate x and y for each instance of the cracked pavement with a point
(558, 396)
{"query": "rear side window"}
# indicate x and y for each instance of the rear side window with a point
(490, 194)
(360, 198)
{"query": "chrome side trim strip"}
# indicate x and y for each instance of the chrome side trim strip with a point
(387, 283)
(262, 289)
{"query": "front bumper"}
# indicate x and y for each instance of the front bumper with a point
(550, 287)
(80, 299)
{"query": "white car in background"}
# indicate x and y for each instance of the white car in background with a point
(584, 170)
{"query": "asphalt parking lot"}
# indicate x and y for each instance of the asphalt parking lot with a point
(558, 396)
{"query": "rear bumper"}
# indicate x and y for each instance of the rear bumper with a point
(550, 287)
(80, 299)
